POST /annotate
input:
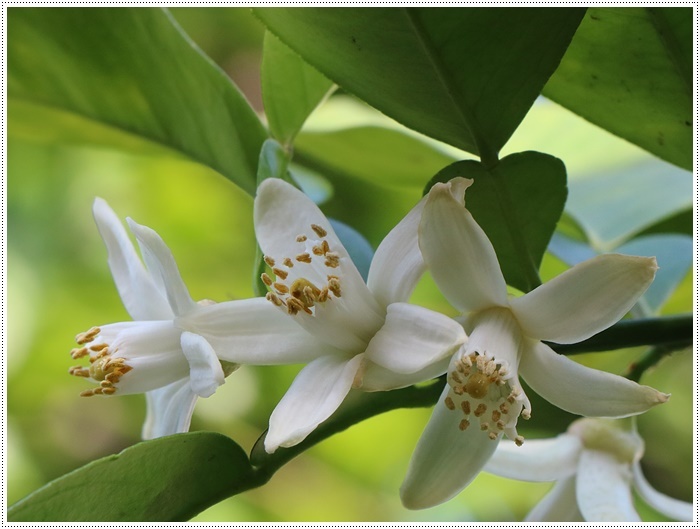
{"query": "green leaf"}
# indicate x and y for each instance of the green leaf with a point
(291, 89)
(466, 76)
(629, 70)
(165, 480)
(517, 203)
(382, 156)
(132, 70)
(613, 206)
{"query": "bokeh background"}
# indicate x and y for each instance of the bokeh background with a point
(58, 284)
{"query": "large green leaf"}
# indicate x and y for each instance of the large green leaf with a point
(382, 156)
(165, 480)
(629, 70)
(466, 76)
(517, 203)
(613, 206)
(291, 89)
(134, 70)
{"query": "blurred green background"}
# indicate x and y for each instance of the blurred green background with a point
(58, 284)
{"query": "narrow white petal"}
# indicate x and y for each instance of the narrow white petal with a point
(161, 263)
(559, 505)
(290, 228)
(458, 253)
(169, 410)
(585, 299)
(445, 460)
(315, 394)
(666, 505)
(377, 378)
(206, 373)
(413, 338)
(140, 295)
(537, 459)
(581, 390)
(398, 263)
(603, 488)
(253, 331)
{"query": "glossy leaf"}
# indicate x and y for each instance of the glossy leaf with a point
(466, 76)
(382, 156)
(291, 89)
(165, 480)
(133, 70)
(629, 70)
(517, 203)
(613, 206)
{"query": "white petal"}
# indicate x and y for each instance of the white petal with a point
(445, 460)
(585, 299)
(377, 378)
(140, 295)
(458, 253)
(315, 394)
(398, 263)
(559, 505)
(161, 263)
(169, 410)
(581, 390)
(603, 488)
(253, 331)
(671, 507)
(282, 213)
(206, 373)
(537, 459)
(151, 348)
(413, 338)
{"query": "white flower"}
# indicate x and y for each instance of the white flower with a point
(483, 397)
(594, 464)
(169, 351)
(362, 335)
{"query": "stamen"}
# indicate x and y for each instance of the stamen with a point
(282, 274)
(480, 410)
(449, 403)
(78, 353)
(288, 262)
(519, 440)
(303, 258)
(334, 285)
(87, 336)
(269, 261)
(281, 288)
(274, 299)
(319, 230)
(266, 279)
(87, 393)
(301, 238)
(318, 250)
(466, 407)
(325, 247)
(463, 424)
(98, 347)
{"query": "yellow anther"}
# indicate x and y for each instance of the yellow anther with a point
(519, 440)
(525, 414)
(334, 285)
(449, 403)
(323, 296)
(483, 426)
(504, 407)
(480, 410)
(281, 288)
(282, 274)
(463, 424)
(303, 258)
(500, 425)
(266, 279)
(288, 262)
(269, 261)
(87, 393)
(79, 353)
(106, 384)
(274, 299)
(319, 230)
(493, 436)
(325, 247)
(305, 291)
(495, 415)
(98, 347)
(109, 391)
(301, 238)
(318, 250)
(87, 336)
(466, 407)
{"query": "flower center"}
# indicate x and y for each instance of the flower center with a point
(291, 288)
(480, 390)
(104, 367)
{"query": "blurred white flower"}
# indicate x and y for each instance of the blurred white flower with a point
(595, 465)
(483, 396)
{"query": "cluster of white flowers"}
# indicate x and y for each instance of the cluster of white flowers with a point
(353, 334)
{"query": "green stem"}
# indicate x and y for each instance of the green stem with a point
(652, 357)
(673, 332)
